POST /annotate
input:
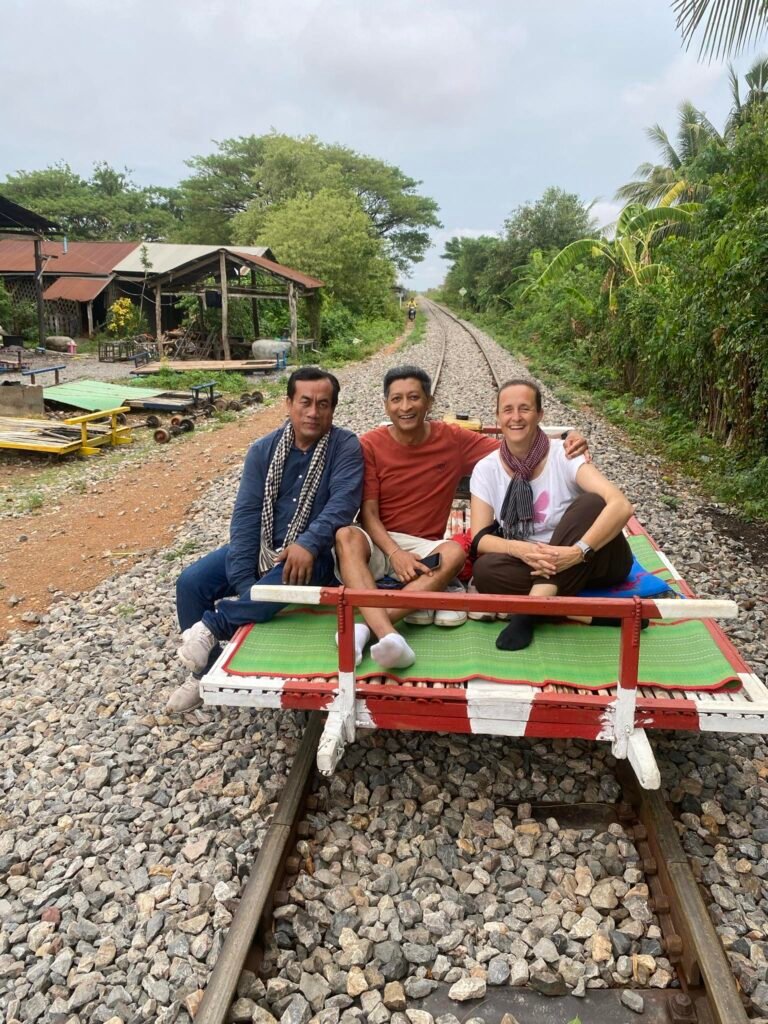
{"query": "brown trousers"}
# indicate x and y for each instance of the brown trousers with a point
(504, 574)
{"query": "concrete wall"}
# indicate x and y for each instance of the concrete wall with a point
(21, 400)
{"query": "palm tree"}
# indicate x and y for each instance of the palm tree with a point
(655, 183)
(628, 258)
(757, 93)
(729, 26)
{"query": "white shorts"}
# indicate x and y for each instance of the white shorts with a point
(378, 562)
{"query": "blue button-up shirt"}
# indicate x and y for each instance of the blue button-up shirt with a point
(335, 504)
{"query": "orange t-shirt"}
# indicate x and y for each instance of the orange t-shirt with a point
(415, 484)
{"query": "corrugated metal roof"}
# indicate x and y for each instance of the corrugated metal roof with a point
(78, 289)
(93, 395)
(84, 259)
(164, 257)
(278, 268)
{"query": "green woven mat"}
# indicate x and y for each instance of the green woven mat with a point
(682, 655)
(648, 557)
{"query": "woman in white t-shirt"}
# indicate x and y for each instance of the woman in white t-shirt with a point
(542, 524)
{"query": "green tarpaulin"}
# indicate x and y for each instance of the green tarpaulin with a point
(94, 395)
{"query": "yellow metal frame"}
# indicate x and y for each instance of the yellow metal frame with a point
(118, 433)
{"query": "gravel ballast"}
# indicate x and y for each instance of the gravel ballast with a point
(126, 836)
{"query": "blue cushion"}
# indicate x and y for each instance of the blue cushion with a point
(639, 583)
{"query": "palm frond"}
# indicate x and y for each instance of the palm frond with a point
(645, 219)
(728, 26)
(657, 135)
(566, 260)
(674, 193)
(650, 272)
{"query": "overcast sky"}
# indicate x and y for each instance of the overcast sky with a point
(487, 102)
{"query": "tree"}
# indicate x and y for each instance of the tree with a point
(106, 206)
(669, 182)
(728, 25)
(231, 191)
(553, 221)
(628, 258)
(329, 236)
(469, 258)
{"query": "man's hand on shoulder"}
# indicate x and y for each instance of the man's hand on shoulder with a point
(298, 564)
(576, 444)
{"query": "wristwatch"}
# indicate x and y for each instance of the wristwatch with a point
(586, 551)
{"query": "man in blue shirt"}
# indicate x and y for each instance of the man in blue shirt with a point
(300, 484)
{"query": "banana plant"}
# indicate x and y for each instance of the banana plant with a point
(628, 256)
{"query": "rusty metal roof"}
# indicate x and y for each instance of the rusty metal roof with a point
(78, 289)
(83, 259)
(278, 269)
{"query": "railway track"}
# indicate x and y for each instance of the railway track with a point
(443, 318)
(707, 992)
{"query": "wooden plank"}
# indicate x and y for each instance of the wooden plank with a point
(182, 365)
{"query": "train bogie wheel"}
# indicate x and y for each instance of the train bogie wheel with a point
(162, 436)
(186, 425)
(175, 421)
(121, 418)
(220, 404)
(234, 406)
(208, 411)
(245, 398)
(257, 396)
(153, 422)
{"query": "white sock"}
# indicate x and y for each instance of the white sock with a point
(393, 652)
(362, 636)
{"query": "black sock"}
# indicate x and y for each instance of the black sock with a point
(517, 634)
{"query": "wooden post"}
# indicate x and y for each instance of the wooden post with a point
(224, 304)
(294, 321)
(39, 291)
(159, 320)
(313, 314)
(89, 314)
(255, 310)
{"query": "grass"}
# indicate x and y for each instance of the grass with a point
(372, 335)
(739, 480)
(31, 502)
(417, 331)
(227, 382)
(187, 548)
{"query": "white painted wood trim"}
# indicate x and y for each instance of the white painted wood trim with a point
(696, 608)
(623, 720)
(669, 564)
(330, 749)
(283, 594)
(641, 757)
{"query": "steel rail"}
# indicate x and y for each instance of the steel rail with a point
(473, 336)
(255, 900)
(702, 960)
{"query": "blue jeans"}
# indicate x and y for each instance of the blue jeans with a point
(204, 583)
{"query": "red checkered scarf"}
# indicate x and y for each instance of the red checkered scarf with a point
(517, 507)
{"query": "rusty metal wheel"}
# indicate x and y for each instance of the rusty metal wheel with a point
(186, 425)
(257, 397)
(162, 436)
(234, 406)
(153, 422)
(175, 421)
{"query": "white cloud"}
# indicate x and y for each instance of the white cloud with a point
(605, 212)
(684, 78)
(424, 63)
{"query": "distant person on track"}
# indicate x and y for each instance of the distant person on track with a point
(412, 467)
(541, 524)
(299, 485)
(412, 310)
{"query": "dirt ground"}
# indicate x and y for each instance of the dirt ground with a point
(93, 535)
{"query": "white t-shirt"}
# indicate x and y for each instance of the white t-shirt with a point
(553, 489)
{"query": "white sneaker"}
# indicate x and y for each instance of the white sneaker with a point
(479, 616)
(198, 643)
(185, 697)
(450, 617)
(420, 617)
